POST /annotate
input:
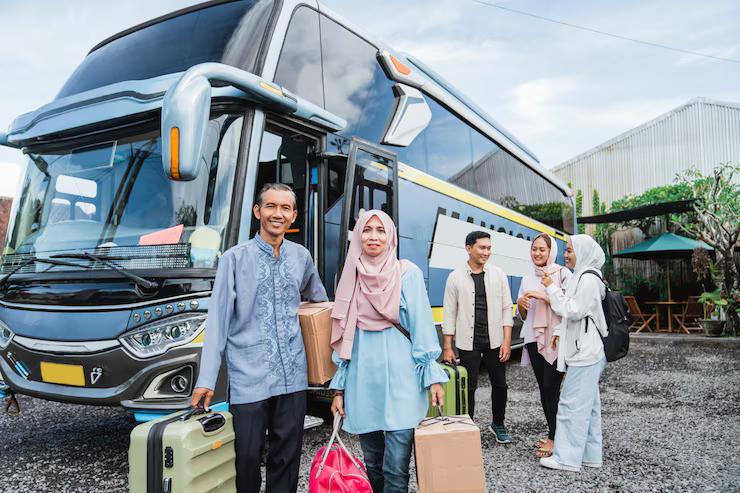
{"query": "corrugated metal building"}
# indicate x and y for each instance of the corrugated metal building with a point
(702, 133)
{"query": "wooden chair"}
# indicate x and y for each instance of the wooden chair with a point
(692, 312)
(641, 321)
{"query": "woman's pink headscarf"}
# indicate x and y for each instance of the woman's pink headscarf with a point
(368, 295)
(545, 320)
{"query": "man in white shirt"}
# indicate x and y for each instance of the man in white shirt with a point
(478, 314)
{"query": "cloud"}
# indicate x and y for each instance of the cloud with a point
(537, 103)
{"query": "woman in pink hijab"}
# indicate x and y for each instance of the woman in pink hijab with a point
(539, 323)
(385, 347)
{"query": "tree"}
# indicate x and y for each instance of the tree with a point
(717, 223)
(595, 203)
(579, 210)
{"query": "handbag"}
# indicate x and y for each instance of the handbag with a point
(334, 468)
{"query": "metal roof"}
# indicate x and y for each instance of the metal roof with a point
(640, 128)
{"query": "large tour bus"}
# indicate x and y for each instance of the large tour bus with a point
(144, 169)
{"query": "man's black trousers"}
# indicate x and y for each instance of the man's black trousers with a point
(282, 418)
(496, 372)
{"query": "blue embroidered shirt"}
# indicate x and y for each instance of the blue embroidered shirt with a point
(253, 317)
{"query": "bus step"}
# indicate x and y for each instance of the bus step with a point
(311, 422)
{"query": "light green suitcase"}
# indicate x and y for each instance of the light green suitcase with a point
(185, 452)
(456, 392)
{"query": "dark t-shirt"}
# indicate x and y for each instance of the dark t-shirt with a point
(480, 326)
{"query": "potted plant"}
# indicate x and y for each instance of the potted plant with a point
(713, 322)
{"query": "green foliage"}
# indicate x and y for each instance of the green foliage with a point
(667, 193)
(713, 302)
(550, 213)
(595, 203)
(716, 221)
(631, 281)
(579, 210)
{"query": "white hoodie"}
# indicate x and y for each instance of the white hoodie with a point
(581, 300)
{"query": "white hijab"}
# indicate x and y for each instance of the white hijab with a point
(589, 256)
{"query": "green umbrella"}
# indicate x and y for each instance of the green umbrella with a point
(663, 247)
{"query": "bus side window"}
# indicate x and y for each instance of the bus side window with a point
(373, 185)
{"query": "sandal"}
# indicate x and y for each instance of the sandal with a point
(545, 448)
(541, 442)
(543, 452)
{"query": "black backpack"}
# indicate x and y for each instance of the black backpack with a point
(618, 322)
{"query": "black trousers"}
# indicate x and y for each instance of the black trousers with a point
(281, 417)
(548, 379)
(496, 372)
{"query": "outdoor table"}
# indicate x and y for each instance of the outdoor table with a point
(669, 308)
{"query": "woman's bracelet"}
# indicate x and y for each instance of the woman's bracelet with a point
(339, 393)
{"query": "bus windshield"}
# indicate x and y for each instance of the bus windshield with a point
(226, 32)
(113, 198)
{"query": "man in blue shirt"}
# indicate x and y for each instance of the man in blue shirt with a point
(253, 317)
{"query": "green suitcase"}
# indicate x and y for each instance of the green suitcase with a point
(186, 452)
(456, 392)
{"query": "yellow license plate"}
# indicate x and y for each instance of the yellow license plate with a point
(63, 374)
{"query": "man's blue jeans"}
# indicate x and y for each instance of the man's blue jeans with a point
(387, 456)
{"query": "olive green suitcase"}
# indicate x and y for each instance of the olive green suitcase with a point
(186, 452)
(456, 392)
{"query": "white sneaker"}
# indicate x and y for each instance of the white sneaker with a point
(551, 463)
(595, 465)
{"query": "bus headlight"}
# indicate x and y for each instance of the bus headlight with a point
(6, 335)
(157, 337)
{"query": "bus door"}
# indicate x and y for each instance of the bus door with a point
(371, 182)
(289, 156)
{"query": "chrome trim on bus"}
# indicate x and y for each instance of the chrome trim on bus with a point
(65, 347)
(103, 308)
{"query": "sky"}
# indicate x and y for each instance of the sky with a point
(560, 90)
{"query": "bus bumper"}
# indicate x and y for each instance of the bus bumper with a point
(108, 378)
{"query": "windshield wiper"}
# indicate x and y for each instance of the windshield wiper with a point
(32, 260)
(107, 261)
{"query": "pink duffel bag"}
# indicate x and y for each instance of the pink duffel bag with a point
(334, 469)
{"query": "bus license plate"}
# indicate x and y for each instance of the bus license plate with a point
(63, 374)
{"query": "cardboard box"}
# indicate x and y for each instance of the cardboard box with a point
(315, 319)
(449, 458)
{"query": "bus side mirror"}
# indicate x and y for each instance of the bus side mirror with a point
(185, 112)
(5, 142)
(187, 105)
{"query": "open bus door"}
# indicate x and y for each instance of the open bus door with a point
(371, 182)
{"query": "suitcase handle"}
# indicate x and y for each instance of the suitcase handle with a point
(192, 412)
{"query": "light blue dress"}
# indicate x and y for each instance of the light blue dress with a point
(386, 381)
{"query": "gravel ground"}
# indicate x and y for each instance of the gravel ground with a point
(671, 419)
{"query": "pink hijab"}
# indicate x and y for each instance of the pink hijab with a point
(368, 295)
(545, 320)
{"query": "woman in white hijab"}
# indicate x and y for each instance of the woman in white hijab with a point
(578, 340)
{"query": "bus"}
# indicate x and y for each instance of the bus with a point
(145, 166)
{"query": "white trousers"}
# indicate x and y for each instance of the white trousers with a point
(578, 431)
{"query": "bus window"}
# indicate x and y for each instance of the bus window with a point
(299, 68)
(373, 185)
(334, 204)
(284, 159)
(355, 85)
